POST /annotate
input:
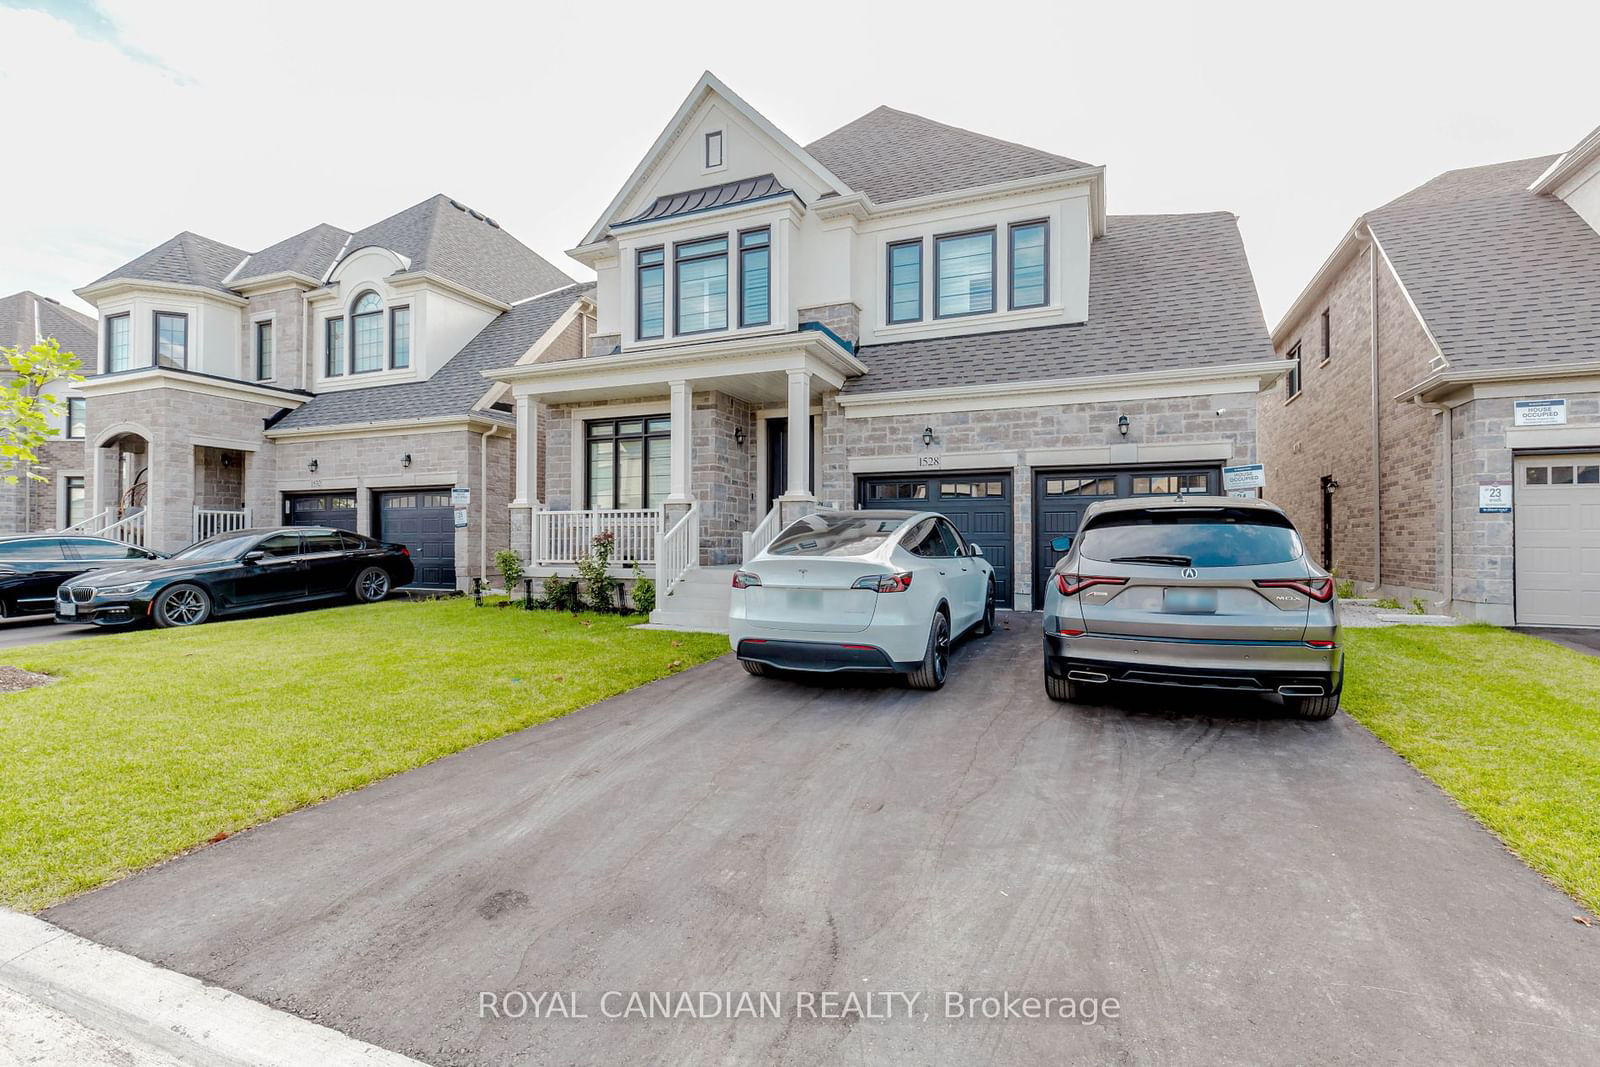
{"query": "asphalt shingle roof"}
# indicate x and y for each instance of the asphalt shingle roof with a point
(1503, 277)
(743, 191)
(458, 384)
(309, 253)
(1165, 291)
(187, 259)
(894, 155)
(21, 314)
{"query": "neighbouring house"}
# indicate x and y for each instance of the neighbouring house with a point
(899, 314)
(26, 319)
(1439, 434)
(334, 378)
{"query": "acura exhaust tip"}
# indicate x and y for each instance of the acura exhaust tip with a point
(1300, 690)
(1086, 676)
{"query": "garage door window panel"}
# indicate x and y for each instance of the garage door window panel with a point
(1169, 484)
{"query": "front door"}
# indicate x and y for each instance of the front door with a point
(778, 458)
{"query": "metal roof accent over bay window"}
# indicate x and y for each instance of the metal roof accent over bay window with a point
(695, 201)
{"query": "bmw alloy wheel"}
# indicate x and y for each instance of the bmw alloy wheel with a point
(184, 606)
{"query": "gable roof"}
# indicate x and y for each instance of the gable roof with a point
(1165, 292)
(309, 253)
(743, 191)
(186, 259)
(1502, 276)
(456, 386)
(894, 155)
(26, 317)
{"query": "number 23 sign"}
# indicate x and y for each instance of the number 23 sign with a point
(1495, 497)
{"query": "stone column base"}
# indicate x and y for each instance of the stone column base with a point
(791, 508)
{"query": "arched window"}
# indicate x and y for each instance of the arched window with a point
(366, 333)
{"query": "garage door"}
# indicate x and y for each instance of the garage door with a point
(423, 521)
(1061, 497)
(978, 504)
(1557, 504)
(337, 510)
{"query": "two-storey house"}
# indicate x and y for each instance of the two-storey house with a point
(899, 314)
(334, 378)
(26, 319)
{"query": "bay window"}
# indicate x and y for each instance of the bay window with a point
(700, 286)
(650, 295)
(366, 334)
(755, 278)
(171, 339)
(963, 274)
(628, 462)
(1030, 273)
(119, 348)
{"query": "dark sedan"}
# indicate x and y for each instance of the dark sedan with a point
(33, 566)
(238, 572)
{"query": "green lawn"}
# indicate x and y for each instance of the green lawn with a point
(1507, 724)
(155, 741)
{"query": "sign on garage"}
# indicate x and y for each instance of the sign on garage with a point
(1246, 476)
(1540, 412)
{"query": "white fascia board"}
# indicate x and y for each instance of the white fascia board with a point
(1438, 384)
(117, 286)
(714, 355)
(862, 207)
(283, 279)
(416, 279)
(1443, 361)
(1573, 160)
(1337, 260)
(383, 428)
(163, 377)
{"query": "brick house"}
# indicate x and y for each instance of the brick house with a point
(334, 378)
(1439, 437)
(901, 313)
(25, 319)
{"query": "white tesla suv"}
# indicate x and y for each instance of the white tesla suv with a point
(861, 591)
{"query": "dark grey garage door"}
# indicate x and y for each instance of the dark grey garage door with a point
(337, 510)
(1061, 497)
(423, 521)
(978, 504)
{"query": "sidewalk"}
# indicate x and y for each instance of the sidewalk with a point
(35, 1035)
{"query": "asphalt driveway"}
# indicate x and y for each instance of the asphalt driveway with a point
(1249, 888)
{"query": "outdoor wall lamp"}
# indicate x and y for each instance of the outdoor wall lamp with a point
(738, 436)
(927, 436)
(405, 460)
(1122, 425)
(312, 466)
(227, 461)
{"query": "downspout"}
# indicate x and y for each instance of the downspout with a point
(483, 502)
(1377, 436)
(1447, 573)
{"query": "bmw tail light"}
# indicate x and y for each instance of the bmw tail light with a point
(404, 551)
(745, 580)
(1072, 584)
(1318, 589)
(884, 583)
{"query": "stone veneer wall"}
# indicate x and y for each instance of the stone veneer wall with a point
(723, 475)
(288, 345)
(219, 478)
(842, 319)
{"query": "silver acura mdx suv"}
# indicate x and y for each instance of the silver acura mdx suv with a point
(1203, 592)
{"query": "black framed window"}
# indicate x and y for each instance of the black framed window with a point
(1327, 336)
(650, 294)
(366, 334)
(119, 342)
(755, 277)
(628, 462)
(76, 500)
(1030, 269)
(700, 284)
(963, 274)
(77, 425)
(400, 337)
(171, 339)
(905, 281)
(1291, 381)
(263, 351)
(714, 149)
(333, 347)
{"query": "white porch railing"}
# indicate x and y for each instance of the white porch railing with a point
(756, 541)
(91, 525)
(130, 529)
(678, 551)
(208, 522)
(567, 536)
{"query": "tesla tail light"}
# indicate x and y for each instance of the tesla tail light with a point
(884, 583)
(1318, 589)
(745, 580)
(1072, 584)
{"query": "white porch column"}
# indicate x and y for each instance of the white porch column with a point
(799, 432)
(527, 452)
(682, 439)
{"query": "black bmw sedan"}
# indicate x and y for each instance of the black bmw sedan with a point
(238, 572)
(32, 566)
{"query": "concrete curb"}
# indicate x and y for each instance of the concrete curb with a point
(142, 1004)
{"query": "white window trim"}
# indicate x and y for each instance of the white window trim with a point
(705, 137)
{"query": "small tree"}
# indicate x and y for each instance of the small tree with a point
(510, 567)
(644, 591)
(27, 404)
(600, 589)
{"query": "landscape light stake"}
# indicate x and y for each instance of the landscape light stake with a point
(477, 591)
(527, 594)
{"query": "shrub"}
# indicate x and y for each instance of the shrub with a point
(560, 594)
(1389, 603)
(1347, 589)
(510, 567)
(644, 591)
(599, 588)
(1418, 606)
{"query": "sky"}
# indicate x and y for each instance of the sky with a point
(131, 121)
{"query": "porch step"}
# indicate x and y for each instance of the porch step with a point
(699, 602)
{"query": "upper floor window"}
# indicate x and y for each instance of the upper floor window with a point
(651, 294)
(76, 417)
(700, 283)
(366, 334)
(714, 149)
(171, 339)
(263, 351)
(1327, 336)
(755, 278)
(905, 281)
(119, 347)
(1030, 274)
(400, 337)
(1291, 381)
(963, 274)
(333, 347)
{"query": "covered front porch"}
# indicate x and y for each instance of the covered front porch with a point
(686, 458)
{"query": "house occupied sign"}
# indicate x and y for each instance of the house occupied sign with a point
(1541, 412)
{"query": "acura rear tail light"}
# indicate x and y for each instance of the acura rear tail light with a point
(1072, 584)
(1318, 589)
(745, 580)
(884, 583)
(1321, 644)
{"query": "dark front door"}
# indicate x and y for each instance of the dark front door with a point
(336, 510)
(979, 505)
(423, 521)
(1061, 497)
(778, 458)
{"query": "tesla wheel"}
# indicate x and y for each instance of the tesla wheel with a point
(751, 667)
(985, 625)
(930, 674)
(372, 585)
(1315, 709)
(1062, 689)
(182, 605)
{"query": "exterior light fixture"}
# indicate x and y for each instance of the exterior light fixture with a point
(405, 460)
(312, 466)
(738, 436)
(927, 436)
(1122, 425)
